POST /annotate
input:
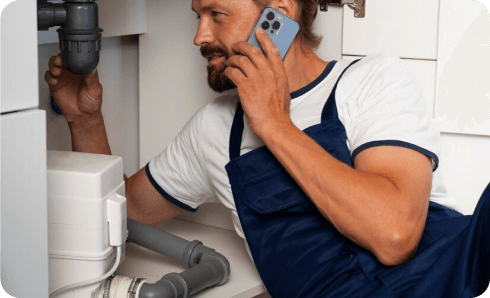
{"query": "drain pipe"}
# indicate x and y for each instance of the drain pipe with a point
(205, 267)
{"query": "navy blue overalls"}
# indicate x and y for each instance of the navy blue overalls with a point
(299, 254)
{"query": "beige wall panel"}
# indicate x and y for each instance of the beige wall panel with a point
(173, 75)
(463, 72)
(407, 29)
(464, 164)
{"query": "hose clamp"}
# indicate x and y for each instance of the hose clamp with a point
(133, 287)
(107, 285)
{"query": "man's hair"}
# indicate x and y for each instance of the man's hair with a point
(308, 10)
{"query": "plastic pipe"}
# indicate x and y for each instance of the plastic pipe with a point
(157, 240)
(206, 267)
(79, 34)
(175, 285)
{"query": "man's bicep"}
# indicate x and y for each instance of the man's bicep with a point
(145, 203)
(409, 170)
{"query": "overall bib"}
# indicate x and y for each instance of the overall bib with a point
(299, 254)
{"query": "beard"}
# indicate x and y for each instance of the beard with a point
(217, 80)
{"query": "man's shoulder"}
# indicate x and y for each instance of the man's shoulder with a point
(217, 115)
(222, 104)
(373, 68)
(371, 62)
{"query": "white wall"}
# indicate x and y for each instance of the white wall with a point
(119, 75)
(462, 102)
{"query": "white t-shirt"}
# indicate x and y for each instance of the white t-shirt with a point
(379, 102)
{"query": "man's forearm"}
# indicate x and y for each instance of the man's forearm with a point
(89, 135)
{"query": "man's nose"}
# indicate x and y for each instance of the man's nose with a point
(204, 35)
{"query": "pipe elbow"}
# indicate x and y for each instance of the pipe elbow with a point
(224, 263)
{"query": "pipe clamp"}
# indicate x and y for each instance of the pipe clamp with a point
(134, 286)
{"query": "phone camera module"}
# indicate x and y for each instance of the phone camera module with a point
(265, 25)
(270, 16)
(276, 25)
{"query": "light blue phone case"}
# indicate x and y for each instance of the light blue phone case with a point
(282, 37)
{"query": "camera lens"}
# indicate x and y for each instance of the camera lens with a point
(265, 25)
(270, 16)
(276, 25)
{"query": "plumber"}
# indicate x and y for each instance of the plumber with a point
(327, 166)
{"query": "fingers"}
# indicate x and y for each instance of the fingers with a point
(273, 56)
(243, 63)
(235, 75)
(55, 68)
(254, 61)
(266, 43)
(253, 53)
(55, 65)
(50, 79)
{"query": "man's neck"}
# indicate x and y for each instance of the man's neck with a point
(302, 68)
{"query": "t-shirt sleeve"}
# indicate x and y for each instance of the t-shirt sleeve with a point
(390, 110)
(177, 172)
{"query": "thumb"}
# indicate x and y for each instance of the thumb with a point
(91, 76)
(91, 82)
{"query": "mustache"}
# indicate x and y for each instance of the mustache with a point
(207, 51)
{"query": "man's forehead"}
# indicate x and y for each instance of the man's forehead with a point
(210, 4)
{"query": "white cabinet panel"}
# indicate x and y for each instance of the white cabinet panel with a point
(19, 56)
(463, 91)
(425, 72)
(464, 164)
(401, 28)
(24, 215)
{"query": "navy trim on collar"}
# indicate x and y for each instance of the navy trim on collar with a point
(317, 81)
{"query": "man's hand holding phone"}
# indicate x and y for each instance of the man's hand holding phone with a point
(259, 74)
(262, 84)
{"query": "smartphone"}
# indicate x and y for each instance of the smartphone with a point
(280, 28)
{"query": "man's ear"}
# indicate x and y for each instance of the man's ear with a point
(287, 7)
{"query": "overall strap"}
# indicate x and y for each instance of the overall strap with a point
(236, 132)
(329, 111)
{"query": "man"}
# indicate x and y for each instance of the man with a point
(341, 190)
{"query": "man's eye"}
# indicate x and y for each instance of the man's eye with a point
(213, 14)
(216, 14)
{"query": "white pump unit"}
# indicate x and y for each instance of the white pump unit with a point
(87, 220)
(88, 229)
